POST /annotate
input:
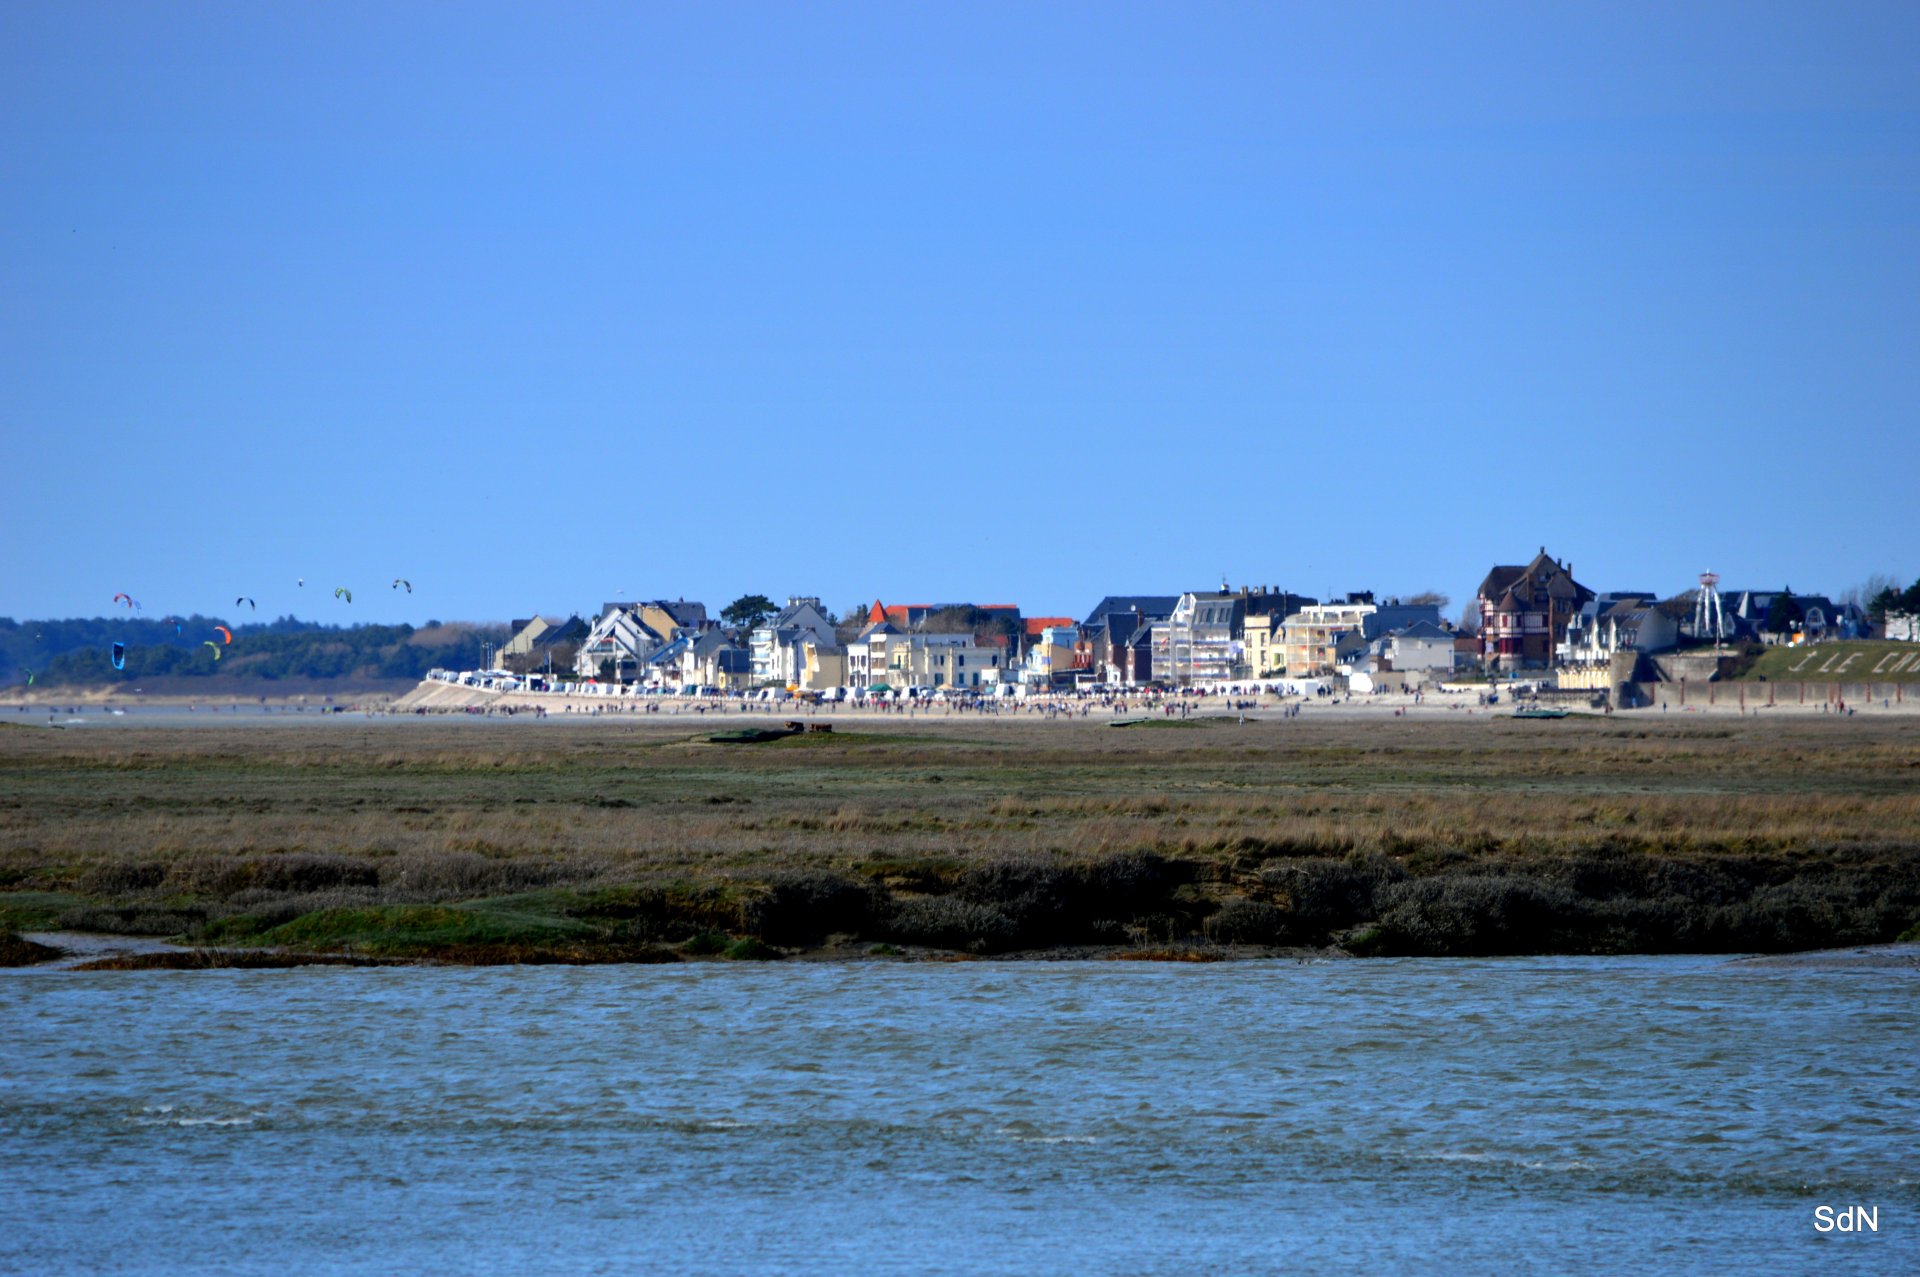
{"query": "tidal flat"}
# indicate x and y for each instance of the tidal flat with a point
(624, 841)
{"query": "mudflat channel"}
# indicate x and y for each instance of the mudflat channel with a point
(1527, 1115)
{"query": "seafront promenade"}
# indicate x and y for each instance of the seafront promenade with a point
(432, 698)
(437, 700)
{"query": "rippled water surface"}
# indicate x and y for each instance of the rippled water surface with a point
(1670, 1115)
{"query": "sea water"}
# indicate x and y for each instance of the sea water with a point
(1658, 1115)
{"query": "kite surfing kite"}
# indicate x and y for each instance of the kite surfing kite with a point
(343, 593)
(125, 598)
(225, 633)
(301, 582)
(119, 656)
(249, 602)
(400, 581)
(215, 646)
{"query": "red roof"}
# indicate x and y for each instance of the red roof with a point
(1037, 623)
(897, 613)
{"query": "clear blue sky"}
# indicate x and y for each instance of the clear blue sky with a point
(534, 304)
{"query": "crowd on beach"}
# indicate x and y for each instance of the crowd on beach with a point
(1101, 704)
(1094, 704)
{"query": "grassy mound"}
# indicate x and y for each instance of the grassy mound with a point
(1850, 662)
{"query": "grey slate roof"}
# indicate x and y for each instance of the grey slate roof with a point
(572, 629)
(709, 641)
(687, 612)
(1157, 606)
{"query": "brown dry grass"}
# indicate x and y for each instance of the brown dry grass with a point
(275, 821)
(619, 803)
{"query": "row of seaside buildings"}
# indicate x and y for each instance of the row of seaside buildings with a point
(1529, 616)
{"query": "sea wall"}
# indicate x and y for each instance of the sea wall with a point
(1746, 694)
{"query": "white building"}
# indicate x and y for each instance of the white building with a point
(952, 660)
(1312, 636)
(1604, 628)
(870, 656)
(1202, 641)
(622, 639)
(1421, 646)
(705, 658)
(884, 656)
(1054, 652)
(778, 647)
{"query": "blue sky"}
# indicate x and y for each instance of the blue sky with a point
(536, 305)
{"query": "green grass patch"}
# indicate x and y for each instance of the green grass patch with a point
(420, 930)
(556, 926)
(35, 910)
(225, 959)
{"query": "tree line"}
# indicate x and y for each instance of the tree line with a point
(1890, 598)
(80, 650)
